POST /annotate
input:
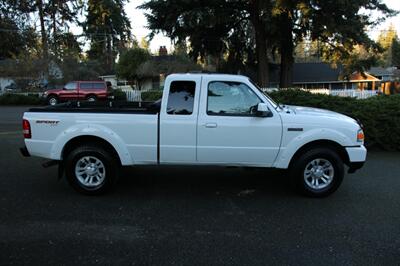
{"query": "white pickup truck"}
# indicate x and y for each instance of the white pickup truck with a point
(202, 119)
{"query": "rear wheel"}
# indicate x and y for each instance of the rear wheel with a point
(52, 100)
(91, 170)
(318, 172)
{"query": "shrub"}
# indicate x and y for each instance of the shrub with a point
(380, 115)
(119, 95)
(151, 96)
(20, 99)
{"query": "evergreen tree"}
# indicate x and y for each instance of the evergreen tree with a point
(108, 29)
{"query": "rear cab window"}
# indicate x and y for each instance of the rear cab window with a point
(99, 85)
(92, 86)
(85, 85)
(181, 98)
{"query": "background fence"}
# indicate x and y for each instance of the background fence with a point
(136, 95)
(359, 94)
(133, 95)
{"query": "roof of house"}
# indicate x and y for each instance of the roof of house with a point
(310, 73)
(380, 71)
(362, 77)
(316, 72)
(325, 73)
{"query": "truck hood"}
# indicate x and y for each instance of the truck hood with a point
(309, 111)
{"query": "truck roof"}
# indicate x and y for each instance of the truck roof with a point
(217, 75)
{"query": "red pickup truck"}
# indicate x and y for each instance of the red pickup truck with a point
(79, 90)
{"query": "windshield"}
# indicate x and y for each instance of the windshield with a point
(274, 104)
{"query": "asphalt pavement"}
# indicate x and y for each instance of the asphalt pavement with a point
(194, 216)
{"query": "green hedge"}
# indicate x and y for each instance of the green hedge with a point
(380, 115)
(119, 95)
(20, 99)
(151, 96)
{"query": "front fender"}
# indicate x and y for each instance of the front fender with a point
(91, 130)
(287, 151)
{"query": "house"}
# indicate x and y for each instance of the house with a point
(323, 76)
(26, 75)
(6, 82)
(389, 78)
(151, 74)
(115, 81)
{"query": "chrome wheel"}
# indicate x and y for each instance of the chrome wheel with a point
(91, 99)
(90, 171)
(53, 101)
(318, 174)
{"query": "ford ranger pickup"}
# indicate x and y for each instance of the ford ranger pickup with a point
(202, 119)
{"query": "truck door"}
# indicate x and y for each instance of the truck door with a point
(178, 120)
(229, 131)
(69, 92)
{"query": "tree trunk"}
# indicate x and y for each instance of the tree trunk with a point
(45, 48)
(261, 44)
(286, 51)
(53, 17)
(109, 55)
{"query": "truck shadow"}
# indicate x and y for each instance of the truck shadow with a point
(242, 182)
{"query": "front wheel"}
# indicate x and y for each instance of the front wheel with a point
(52, 100)
(318, 172)
(91, 170)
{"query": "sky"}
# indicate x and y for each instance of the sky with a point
(138, 22)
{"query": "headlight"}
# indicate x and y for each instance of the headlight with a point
(360, 135)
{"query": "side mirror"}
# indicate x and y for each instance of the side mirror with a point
(263, 110)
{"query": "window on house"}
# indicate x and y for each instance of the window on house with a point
(156, 83)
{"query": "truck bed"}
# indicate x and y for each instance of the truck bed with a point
(101, 107)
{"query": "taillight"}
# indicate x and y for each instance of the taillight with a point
(360, 135)
(26, 129)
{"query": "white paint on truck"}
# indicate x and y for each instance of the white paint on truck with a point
(219, 124)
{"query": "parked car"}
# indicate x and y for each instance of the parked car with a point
(78, 90)
(202, 119)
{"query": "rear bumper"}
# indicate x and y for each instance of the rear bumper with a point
(357, 156)
(24, 151)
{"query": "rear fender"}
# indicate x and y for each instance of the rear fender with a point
(91, 130)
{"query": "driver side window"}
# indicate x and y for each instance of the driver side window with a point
(231, 99)
(71, 86)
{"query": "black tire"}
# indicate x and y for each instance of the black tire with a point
(303, 177)
(52, 100)
(110, 170)
(91, 98)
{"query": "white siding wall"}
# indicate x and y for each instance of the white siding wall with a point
(4, 82)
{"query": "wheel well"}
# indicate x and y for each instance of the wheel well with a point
(52, 95)
(341, 151)
(91, 95)
(78, 141)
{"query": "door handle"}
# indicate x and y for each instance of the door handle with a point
(211, 125)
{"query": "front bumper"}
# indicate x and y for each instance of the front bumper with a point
(353, 167)
(357, 156)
